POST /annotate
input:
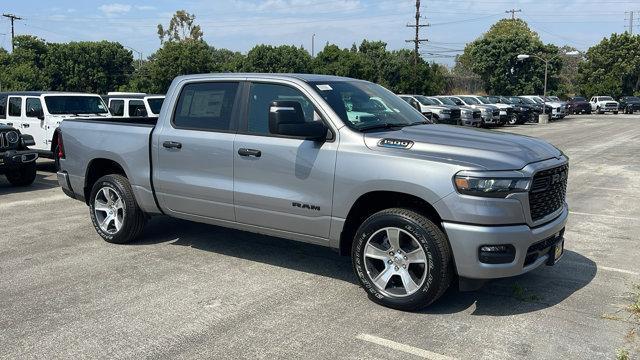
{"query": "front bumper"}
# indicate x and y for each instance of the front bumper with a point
(13, 159)
(466, 240)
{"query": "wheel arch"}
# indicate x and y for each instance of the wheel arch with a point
(374, 201)
(98, 168)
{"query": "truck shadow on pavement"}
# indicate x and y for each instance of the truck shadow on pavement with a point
(274, 251)
(42, 182)
(537, 290)
(541, 288)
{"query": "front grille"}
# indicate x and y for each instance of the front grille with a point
(496, 113)
(477, 114)
(455, 114)
(4, 143)
(611, 105)
(509, 111)
(548, 191)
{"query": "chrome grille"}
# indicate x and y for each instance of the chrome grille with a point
(455, 114)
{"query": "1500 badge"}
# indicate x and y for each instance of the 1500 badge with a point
(395, 143)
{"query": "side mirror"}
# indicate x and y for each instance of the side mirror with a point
(287, 118)
(35, 113)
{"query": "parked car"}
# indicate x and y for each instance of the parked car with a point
(413, 203)
(629, 104)
(439, 114)
(506, 111)
(39, 114)
(468, 115)
(517, 113)
(123, 104)
(536, 108)
(17, 162)
(578, 105)
(604, 104)
(490, 114)
(554, 109)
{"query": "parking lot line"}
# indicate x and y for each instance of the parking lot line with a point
(56, 197)
(619, 270)
(425, 354)
(604, 215)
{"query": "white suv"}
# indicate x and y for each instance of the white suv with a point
(122, 104)
(602, 104)
(40, 113)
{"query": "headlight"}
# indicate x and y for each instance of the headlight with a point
(446, 111)
(12, 137)
(494, 185)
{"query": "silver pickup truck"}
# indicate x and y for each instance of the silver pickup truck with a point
(333, 161)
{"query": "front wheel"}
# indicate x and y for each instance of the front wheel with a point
(513, 120)
(114, 211)
(615, 113)
(402, 259)
(23, 176)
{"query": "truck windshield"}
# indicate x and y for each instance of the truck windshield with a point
(469, 100)
(74, 104)
(155, 104)
(446, 101)
(366, 106)
(426, 101)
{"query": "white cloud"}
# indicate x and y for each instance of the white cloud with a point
(114, 9)
(145, 7)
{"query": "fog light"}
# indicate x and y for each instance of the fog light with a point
(497, 254)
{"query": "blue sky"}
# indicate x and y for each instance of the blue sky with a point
(240, 24)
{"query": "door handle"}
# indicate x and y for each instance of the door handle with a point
(9, 124)
(172, 145)
(25, 125)
(249, 152)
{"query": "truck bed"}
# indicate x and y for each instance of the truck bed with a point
(125, 141)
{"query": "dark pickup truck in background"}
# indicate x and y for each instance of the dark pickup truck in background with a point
(629, 104)
(578, 105)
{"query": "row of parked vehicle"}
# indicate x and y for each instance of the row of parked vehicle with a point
(603, 104)
(29, 123)
(485, 111)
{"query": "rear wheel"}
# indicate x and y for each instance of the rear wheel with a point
(402, 259)
(114, 211)
(513, 119)
(23, 176)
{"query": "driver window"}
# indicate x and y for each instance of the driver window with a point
(260, 98)
(15, 106)
(34, 107)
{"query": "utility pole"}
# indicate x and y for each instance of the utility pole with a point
(13, 33)
(313, 45)
(416, 41)
(513, 13)
(630, 21)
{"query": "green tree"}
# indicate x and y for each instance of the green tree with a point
(96, 67)
(182, 27)
(493, 57)
(278, 59)
(612, 67)
(23, 69)
(225, 60)
(173, 59)
(333, 60)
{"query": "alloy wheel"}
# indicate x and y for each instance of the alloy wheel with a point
(109, 210)
(395, 262)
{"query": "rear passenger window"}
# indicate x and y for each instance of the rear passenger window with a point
(206, 106)
(15, 106)
(117, 107)
(137, 109)
(3, 107)
(260, 98)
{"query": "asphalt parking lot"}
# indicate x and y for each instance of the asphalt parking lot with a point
(197, 291)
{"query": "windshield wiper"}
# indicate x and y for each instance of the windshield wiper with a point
(419, 123)
(382, 126)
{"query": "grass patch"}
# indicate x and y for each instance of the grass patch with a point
(622, 354)
(522, 294)
(634, 308)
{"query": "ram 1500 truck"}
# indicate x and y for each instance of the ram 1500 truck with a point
(414, 204)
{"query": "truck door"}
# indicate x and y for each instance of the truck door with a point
(193, 175)
(282, 183)
(33, 124)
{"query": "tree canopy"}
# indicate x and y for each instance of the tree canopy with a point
(181, 27)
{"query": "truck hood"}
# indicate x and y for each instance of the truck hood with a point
(476, 148)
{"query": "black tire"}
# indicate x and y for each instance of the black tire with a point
(615, 113)
(513, 120)
(432, 240)
(23, 176)
(133, 218)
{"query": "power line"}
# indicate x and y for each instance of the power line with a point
(513, 13)
(13, 18)
(631, 21)
(416, 42)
